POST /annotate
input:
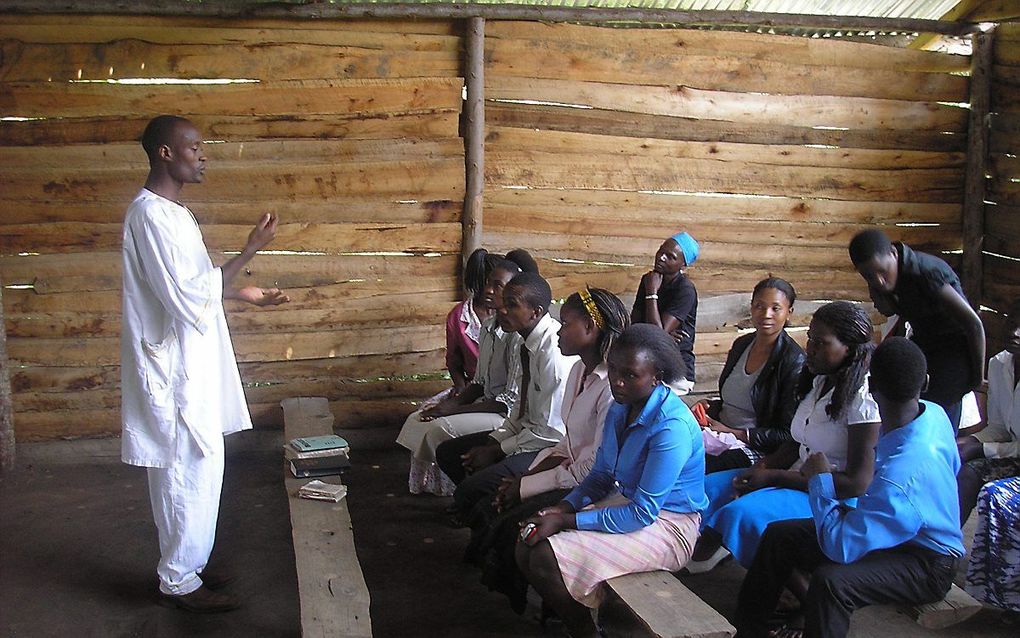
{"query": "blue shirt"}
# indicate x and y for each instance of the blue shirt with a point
(657, 462)
(912, 499)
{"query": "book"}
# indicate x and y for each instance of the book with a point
(290, 453)
(326, 442)
(311, 474)
(320, 491)
(319, 466)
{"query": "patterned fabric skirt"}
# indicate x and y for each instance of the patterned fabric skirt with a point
(426, 478)
(587, 559)
(994, 469)
(993, 573)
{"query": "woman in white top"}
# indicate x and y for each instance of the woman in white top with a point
(837, 416)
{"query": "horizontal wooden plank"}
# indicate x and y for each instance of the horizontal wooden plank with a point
(1001, 285)
(637, 63)
(103, 130)
(766, 255)
(1005, 98)
(644, 125)
(252, 182)
(334, 389)
(414, 309)
(518, 139)
(1004, 166)
(233, 154)
(20, 62)
(359, 293)
(625, 224)
(990, 11)
(100, 270)
(51, 99)
(79, 28)
(697, 209)
(537, 169)
(340, 209)
(276, 346)
(325, 238)
(752, 46)
(358, 369)
(800, 110)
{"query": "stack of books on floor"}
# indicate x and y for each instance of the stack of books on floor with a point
(311, 456)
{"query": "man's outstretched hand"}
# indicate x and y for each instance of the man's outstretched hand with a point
(261, 296)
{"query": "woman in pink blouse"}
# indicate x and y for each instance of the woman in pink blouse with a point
(591, 321)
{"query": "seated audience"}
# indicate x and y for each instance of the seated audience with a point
(668, 299)
(994, 452)
(993, 573)
(591, 320)
(836, 416)
(758, 385)
(899, 544)
(923, 290)
(482, 405)
(638, 508)
(478, 462)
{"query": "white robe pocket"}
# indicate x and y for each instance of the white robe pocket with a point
(159, 360)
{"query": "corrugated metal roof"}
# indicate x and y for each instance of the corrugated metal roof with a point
(922, 9)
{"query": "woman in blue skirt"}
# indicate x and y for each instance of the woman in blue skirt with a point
(836, 416)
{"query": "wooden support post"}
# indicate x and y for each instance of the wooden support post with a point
(6, 411)
(977, 156)
(474, 136)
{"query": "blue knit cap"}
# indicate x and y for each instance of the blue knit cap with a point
(688, 246)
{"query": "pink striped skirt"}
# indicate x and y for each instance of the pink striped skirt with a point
(587, 559)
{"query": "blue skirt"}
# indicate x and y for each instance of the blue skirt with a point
(742, 521)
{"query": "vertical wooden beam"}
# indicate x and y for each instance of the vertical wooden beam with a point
(6, 411)
(474, 136)
(977, 157)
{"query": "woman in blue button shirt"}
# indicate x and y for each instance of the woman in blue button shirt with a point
(639, 508)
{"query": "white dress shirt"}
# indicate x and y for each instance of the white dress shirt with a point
(535, 422)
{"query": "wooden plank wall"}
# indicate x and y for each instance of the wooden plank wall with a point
(349, 130)
(1001, 283)
(772, 151)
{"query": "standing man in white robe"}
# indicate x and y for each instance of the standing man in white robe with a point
(181, 391)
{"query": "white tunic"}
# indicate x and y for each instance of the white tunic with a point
(176, 354)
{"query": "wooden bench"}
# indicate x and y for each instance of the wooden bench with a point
(667, 609)
(331, 588)
(955, 608)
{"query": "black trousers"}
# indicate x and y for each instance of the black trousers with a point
(904, 574)
(471, 488)
(448, 453)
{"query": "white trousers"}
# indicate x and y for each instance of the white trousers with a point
(185, 501)
(423, 437)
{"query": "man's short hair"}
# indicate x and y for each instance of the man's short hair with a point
(160, 131)
(898, 369)
(868, 244)
(535, 289)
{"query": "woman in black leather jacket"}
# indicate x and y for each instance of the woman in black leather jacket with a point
(758, 398)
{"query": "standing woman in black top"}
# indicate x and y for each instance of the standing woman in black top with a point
(758, 385)
(925, 291)
(667, 298)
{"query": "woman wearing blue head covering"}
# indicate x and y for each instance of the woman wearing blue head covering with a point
(667, 298)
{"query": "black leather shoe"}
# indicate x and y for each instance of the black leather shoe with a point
(201, 601)
(216, 580)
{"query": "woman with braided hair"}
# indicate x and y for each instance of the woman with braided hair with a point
(592, 319)
(836, 416)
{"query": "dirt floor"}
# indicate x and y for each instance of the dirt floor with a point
(78, 549)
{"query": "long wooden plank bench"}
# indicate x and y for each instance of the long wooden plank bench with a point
(955, 608)
(667, 609)
(331, 588)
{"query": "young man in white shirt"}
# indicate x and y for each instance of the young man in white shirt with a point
(477, 463)
(180, 387)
